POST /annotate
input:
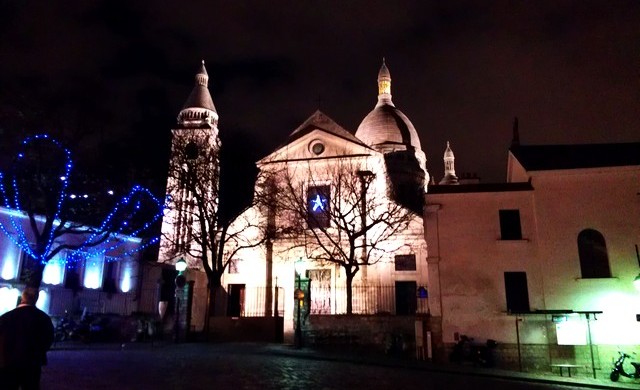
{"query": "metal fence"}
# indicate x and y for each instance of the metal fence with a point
(251, 301)
(256, 302)
(64, 301)
(367, 299)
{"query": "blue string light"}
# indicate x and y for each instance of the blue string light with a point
(16, 218)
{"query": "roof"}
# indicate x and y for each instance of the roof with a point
(552, 157)
(478, 187)
(200, 96)
(318, 120)
(385, 124)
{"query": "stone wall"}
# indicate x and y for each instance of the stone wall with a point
(256, 329)
(386, 334)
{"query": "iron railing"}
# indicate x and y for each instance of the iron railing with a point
(367, 299)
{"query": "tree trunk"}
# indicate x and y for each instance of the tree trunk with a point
(32, 275)
(213, 286)
(349, 291)
(207, 310)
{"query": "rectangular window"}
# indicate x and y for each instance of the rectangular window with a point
(405, 262)
(233, 266)
(109, 283)
(93, 271)
(517, 292)
(318, 198)
(9, 261)
(510, 225)
(53, 272)
(128, 274)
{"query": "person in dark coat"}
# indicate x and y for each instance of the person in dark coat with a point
(26, 334)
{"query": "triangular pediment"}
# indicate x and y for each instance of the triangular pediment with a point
(319, 137)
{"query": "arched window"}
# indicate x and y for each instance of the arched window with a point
(592, 249)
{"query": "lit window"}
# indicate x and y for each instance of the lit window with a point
(318, 198)
(53, 272)
(8, 299)
(93, 270)
(128, 271)
(592, 249)
(9, 261)
(43, 301)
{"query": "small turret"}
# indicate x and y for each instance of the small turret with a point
(449, 167)
(384, 83)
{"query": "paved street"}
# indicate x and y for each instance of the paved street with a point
(244, 366)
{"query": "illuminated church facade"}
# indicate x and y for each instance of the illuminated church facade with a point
(542, 263)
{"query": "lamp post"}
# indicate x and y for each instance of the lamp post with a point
(299, 296)
(181, 266)
(636, 281)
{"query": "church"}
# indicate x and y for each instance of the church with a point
(352, 223)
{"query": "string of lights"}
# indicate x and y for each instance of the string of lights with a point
(127, 208)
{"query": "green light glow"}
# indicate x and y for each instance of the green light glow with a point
(636, 282)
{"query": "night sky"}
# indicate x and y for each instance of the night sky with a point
(109, 77)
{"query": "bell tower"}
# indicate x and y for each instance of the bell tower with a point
(194, 173)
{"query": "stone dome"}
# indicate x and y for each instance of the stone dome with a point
(386, 125)
(386, 128)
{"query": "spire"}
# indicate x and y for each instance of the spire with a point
(199, 108)
(202, 77)
(384, 84)
(449, 167)
(515, 140)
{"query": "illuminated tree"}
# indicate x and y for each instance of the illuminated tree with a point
(50, 211)
(196, 226)
(340, 213)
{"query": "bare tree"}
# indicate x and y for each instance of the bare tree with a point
(196, 226)
(340, 212)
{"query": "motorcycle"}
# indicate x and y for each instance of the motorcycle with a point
(478, 354)
(618, 368)
(88, 328)
(64, 328)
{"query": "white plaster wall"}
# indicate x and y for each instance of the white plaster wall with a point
(606, 200)
(467, 261)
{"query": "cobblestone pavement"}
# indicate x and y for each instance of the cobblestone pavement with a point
(253, 366)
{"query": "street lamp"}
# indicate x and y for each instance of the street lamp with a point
(636, 281)
(299, 266)
(181, 266)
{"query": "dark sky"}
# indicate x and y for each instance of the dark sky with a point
(111, 76)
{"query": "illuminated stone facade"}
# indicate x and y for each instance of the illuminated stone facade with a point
(311, 158)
